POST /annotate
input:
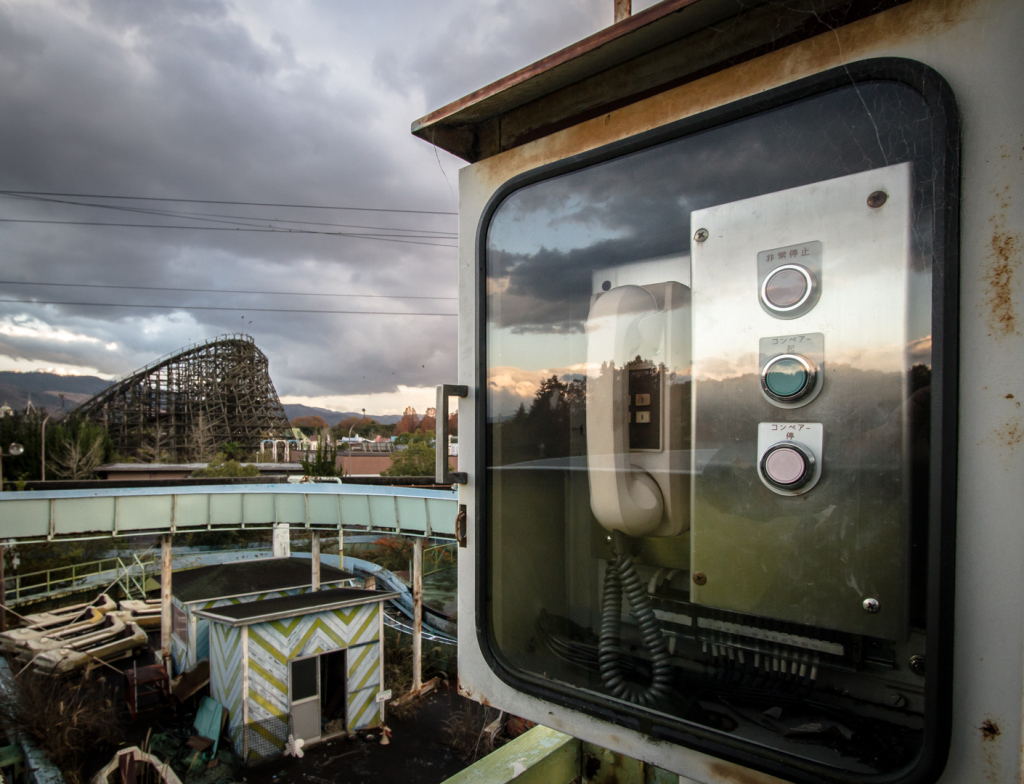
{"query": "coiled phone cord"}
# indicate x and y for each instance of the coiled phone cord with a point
(621, 576)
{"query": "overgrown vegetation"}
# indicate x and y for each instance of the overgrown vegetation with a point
(474, 731)
(324, 461)
(74, 446)
(391, 552)
(220, 466)
(25, 559)
(66, 717)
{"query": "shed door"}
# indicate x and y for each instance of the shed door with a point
(305, 698)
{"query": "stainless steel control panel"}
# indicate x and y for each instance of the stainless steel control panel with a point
(800, 360)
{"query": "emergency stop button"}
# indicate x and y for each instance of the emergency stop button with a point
(786, 290)
(787, 466)
(787, 378)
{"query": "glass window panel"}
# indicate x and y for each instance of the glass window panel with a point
(598, 429)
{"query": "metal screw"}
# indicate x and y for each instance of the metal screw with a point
(872, 605)
(701, 235)
(699, 578)
(877, 199)
(897, 701)
(917, 664)
(608, 539)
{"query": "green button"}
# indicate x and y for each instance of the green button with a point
(786, 378)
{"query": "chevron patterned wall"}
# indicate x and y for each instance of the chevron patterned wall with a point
(273, 644)
(226, 673)
(364, 683)
(201, 645)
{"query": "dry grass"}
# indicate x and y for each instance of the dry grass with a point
(67, 717)
(474, 731)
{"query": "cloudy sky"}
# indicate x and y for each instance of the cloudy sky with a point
(195, 107)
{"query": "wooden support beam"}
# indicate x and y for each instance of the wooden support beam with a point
(315, 547)
(3, 593)
(417, 615)
(282, 540)
(165, 601)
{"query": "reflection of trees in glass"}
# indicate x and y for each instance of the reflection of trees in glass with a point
(552, 427)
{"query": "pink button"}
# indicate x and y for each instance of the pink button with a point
(785, 466)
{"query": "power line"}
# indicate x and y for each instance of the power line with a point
(213, 217)
(215, 291)
(381, 238)
(221, 201)
(215, 307)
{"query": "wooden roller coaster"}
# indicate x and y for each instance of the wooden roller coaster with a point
(204, 395)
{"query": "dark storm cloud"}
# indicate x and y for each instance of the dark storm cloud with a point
(310, 104)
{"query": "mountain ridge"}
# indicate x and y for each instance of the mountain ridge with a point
(44, 390)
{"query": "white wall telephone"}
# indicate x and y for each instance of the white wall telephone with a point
(638, 343)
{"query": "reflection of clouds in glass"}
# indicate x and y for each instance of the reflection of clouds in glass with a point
(548, 238)
(920, 351)
(509, 387)
(565, 223)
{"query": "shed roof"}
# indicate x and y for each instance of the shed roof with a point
(247, 577)
(668, 44)
(289, 606)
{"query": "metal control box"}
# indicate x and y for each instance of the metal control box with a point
(801, 354)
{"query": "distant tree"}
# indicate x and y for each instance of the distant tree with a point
(154, 446)
(417, 459)
(222, 467)
(453, 423)
(429, 421)
(419, 437)
(324, 461)
(364, 427)
(81, 448)
(200, 444)
(232, 450)
(309, 424)
(407, 424)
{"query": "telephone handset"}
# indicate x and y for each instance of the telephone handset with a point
(637, 350)
(637, 358)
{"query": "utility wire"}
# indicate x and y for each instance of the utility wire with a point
(213, 217)
(382, 238)
(215, 307)
(215, 291)
(220, 201)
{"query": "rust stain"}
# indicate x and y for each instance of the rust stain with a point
(1004, 261)
(1012, 434)
(990, 732)
(733, 774)
(916, 19)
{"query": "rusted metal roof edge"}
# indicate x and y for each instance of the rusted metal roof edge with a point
(614, 33)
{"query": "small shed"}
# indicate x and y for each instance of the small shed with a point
(209, 587)
(308, 665)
